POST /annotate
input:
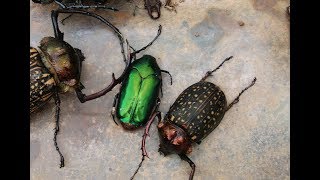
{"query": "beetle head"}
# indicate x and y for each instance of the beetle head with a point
(173, 139)
(42, 1)
(63, 61)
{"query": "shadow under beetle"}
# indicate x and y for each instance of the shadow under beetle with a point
(152, 6)
(55, 67)
(197, 111)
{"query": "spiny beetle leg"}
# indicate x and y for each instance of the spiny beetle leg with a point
(146, 133)
(210, 72)
(236, 100)
(136, 52)
(56, 129)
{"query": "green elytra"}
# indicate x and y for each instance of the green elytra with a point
(139, 92)
(138, 100)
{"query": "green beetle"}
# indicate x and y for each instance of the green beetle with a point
(138, 100)
(55, 67)
(139, 92)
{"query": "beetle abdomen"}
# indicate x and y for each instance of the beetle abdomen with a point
(198, 110)
(139, 92)
(41, 82)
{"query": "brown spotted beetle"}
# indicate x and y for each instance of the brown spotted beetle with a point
(55, 67)
(197, 111)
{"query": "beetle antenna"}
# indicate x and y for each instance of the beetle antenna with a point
(210, 72)
(57, 102)
(236, 100)
(143, 143)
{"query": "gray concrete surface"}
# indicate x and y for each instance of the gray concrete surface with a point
(252, 141)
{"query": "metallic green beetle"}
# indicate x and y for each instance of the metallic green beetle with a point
(139, 92)
(137, 102)
(55, 67)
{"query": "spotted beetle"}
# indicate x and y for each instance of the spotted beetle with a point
(197, 111)
(152, 6)
(55, 67)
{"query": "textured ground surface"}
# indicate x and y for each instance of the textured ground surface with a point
(252, 141)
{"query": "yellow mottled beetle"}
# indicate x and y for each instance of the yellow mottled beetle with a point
(55, 67)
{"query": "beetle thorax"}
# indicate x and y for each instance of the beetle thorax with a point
(173, 139)
(63, 62)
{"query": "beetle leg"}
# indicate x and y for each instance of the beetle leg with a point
(159, 32)
(210, 72)
(236, 100)
(164, 71)
(62, 5)
(113, 112)
(146, 133)
(62, 21)
(153, 8)
(192, 165)
(58, 34)
(57, 102)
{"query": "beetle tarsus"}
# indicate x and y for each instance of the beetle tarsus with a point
(192, 165)
(236, 100)
(57, 115)
(136, 52)
(209, 73)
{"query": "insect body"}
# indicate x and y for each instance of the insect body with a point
(56, 68)
(136, 104)
(138, 98)
(197, 111)
(193, 116)
(139, 92)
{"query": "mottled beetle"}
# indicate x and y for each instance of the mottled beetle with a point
(152, 6)
(56, 68)
(197, 111)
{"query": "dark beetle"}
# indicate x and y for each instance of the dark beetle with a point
(56, 68)
(152, 6)
(193, 116)
(138, 100)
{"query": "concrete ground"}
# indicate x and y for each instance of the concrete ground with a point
(252, 141)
